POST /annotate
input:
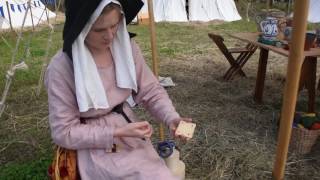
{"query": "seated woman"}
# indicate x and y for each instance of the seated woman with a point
(99, 68)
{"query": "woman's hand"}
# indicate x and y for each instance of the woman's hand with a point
(173, 126)
(136, 129)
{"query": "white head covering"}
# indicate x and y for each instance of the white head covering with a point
(90, 92)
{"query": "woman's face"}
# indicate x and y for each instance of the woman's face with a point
(103, 30)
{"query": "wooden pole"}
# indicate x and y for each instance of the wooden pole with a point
(289, 4)
(31, 14)
(153, 39)
(154, 53)
(59, 4)
(9, 14)
(57, 10)
(296, 58)
(47, 14)
(247, 10)
(55, 4)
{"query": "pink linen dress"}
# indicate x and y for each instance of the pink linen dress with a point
(93, 140)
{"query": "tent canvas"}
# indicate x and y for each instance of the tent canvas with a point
(170, 10)
(18, 10)
(207, 10)
(314, 11)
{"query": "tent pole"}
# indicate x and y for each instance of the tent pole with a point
(47, 14)
(154, 53)
(296, 58)
(153, 38)
(57, 9)
(29, 4)
(9, 14)
(288, 7)
(55, 4)
(247, 10)
(59, 4)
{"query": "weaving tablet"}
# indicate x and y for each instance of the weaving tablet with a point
(185, 129)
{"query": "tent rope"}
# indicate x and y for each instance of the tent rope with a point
(9, 77)
(45, 62)
(11, 72)
(6, 43)
(19, 38)
(46, 58)
(21, 65)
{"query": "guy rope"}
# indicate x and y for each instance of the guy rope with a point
(21, 64)
(11, 72)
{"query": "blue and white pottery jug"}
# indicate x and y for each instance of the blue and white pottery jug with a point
(269, 28)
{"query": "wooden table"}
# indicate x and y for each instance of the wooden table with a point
(308, 71)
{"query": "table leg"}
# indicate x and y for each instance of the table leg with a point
(308, 78)
(263, 60)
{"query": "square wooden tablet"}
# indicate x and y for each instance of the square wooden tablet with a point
(185, 129)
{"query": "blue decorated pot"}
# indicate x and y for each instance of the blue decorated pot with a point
(269, 28)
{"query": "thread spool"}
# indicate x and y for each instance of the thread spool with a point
(176, 166)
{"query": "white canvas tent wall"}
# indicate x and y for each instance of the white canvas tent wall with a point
(314, 11)
(18, 9)
(207, 10)
(169, 10)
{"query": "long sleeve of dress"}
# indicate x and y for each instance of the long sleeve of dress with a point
(64, 116)
(151, 95)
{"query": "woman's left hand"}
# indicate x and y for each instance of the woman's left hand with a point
(173, 126)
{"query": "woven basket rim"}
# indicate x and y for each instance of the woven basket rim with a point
(302, 139)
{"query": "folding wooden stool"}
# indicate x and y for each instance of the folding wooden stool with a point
(236, 64)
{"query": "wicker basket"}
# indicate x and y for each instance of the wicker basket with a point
(302, 140)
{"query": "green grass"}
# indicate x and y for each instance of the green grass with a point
(33, 170)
